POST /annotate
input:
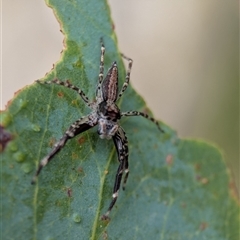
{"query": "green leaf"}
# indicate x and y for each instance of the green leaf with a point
(177, 189)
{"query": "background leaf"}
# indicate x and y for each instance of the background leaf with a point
(177, 189)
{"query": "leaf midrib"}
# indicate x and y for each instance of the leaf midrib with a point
(102, 182)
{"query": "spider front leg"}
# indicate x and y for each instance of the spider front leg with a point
(136, 113)
(101, 70)
(127, 78)
(81, 125)
(120, 141)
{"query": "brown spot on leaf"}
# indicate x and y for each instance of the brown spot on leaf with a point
(80, 169)
(52, 142)
(197, 166)
(60, 94)
(203, 226)
(183, 205)
(74, 156)
(69, 192)
(234, 190)
(202, 180)
(169, 159)
(5, 137)
(198, 178)
(113, 26)
(81, 140)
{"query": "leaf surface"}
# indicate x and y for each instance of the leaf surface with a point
(177, 189)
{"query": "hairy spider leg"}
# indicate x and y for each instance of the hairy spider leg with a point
(101, 70)
(126, 165)
(136, 113)
(81, 125)
(68, 85)
(127, 78)
(120, 141)
(124, 140)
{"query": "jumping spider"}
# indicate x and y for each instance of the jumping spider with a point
(106, 114)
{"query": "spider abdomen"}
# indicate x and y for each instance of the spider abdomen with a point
(110, 84)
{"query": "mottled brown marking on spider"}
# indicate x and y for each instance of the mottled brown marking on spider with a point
(106, 114)
(110, 84)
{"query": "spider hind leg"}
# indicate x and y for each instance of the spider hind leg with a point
(76, 128)
(120, 141)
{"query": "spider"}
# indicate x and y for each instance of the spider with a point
(106, 114)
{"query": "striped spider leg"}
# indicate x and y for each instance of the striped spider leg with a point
(80, 126)
(106, 114)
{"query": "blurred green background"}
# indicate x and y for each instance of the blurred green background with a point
(186, 60)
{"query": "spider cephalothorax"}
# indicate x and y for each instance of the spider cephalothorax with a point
(106, 114)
